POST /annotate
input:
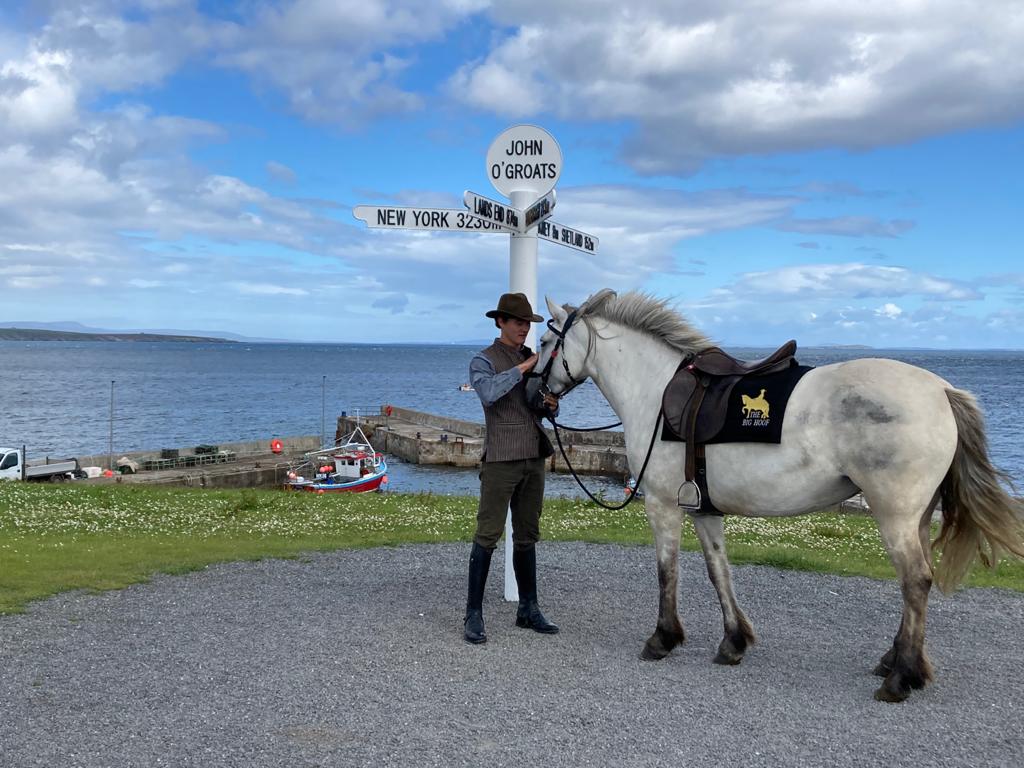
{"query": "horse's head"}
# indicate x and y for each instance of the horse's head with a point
(561, 362)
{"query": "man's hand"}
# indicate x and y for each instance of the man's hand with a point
(551, 401)
(527, 365)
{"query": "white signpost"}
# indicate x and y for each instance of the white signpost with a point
(523, 164)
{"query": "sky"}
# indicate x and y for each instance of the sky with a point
(833, 172)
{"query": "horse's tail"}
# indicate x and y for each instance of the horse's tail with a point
(979, 517)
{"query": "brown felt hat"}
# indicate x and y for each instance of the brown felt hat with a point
(515, 305)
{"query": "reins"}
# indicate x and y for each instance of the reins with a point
(633, 492)
(543, 376)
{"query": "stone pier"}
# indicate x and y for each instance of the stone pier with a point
(426, 438)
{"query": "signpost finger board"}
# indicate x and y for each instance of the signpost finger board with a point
(558, 233)
(493, 211)
(453, 219)
(506, 215)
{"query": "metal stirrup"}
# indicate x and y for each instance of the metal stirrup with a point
(692, 489)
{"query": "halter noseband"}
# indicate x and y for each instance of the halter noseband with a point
(560, 333)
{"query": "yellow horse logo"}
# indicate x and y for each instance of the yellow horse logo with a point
(758, 403)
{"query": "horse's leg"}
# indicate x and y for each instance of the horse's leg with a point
(666, 522)
(924, 530)
(906, 666)
(738, 632)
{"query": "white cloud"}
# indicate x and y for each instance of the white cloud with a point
(332, 62)
(119, 45)
(853, 280)
(38, 95)
(281, 172)
(268, 289)
(32, 283)
(495, 86)
(889, 310)
(768, 323)
(846, 226)
(734, 77)
(336, 62)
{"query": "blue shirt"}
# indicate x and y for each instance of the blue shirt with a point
(490, 386)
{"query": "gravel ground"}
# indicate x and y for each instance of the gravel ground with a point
(356, 658)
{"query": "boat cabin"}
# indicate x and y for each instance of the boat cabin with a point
(355, 465)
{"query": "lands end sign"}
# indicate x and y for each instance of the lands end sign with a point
(524, 158)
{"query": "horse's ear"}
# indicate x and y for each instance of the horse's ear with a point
(557, 313)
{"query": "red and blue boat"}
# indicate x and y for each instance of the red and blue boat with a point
(352, 466)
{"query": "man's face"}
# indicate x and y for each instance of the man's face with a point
(514, 331)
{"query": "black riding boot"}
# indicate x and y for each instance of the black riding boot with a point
(479, 565)
(524, 561)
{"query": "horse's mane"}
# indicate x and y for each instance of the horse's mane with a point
(647, 314)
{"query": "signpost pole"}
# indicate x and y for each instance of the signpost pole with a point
(522, 278)
(110, 444)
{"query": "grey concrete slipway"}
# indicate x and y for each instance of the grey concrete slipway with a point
(356, 658)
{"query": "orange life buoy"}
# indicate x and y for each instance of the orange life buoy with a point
(388, 410)
(276, 446)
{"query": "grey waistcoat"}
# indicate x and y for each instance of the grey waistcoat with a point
(513, 431)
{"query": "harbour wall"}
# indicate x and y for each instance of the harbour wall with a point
(247, 464)
(425, 438)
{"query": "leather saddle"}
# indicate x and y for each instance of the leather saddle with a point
(694, 406)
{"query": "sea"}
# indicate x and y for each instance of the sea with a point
(68, 398)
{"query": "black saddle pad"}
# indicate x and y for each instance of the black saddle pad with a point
(757, 405)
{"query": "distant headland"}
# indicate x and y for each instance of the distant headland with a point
(39, 334)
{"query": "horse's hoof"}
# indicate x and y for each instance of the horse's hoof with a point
(648, 654)
(727, 659)
(895, 688)
(886, 694)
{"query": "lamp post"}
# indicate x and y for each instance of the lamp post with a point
(323, 411)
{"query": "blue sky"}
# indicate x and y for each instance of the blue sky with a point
(814, 170)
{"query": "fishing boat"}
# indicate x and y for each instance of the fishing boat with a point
(465, 387)
(631, 489)
(351, 466)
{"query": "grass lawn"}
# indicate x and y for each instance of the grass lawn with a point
(61, 537)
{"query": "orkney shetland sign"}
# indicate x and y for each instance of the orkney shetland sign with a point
(524, 158)
(573, 238)
(454, 219)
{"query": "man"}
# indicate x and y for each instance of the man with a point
(512, 470)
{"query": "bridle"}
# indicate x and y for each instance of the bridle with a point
(545, 374)
(560, 333)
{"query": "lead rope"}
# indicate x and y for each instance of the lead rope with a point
(640, 477)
